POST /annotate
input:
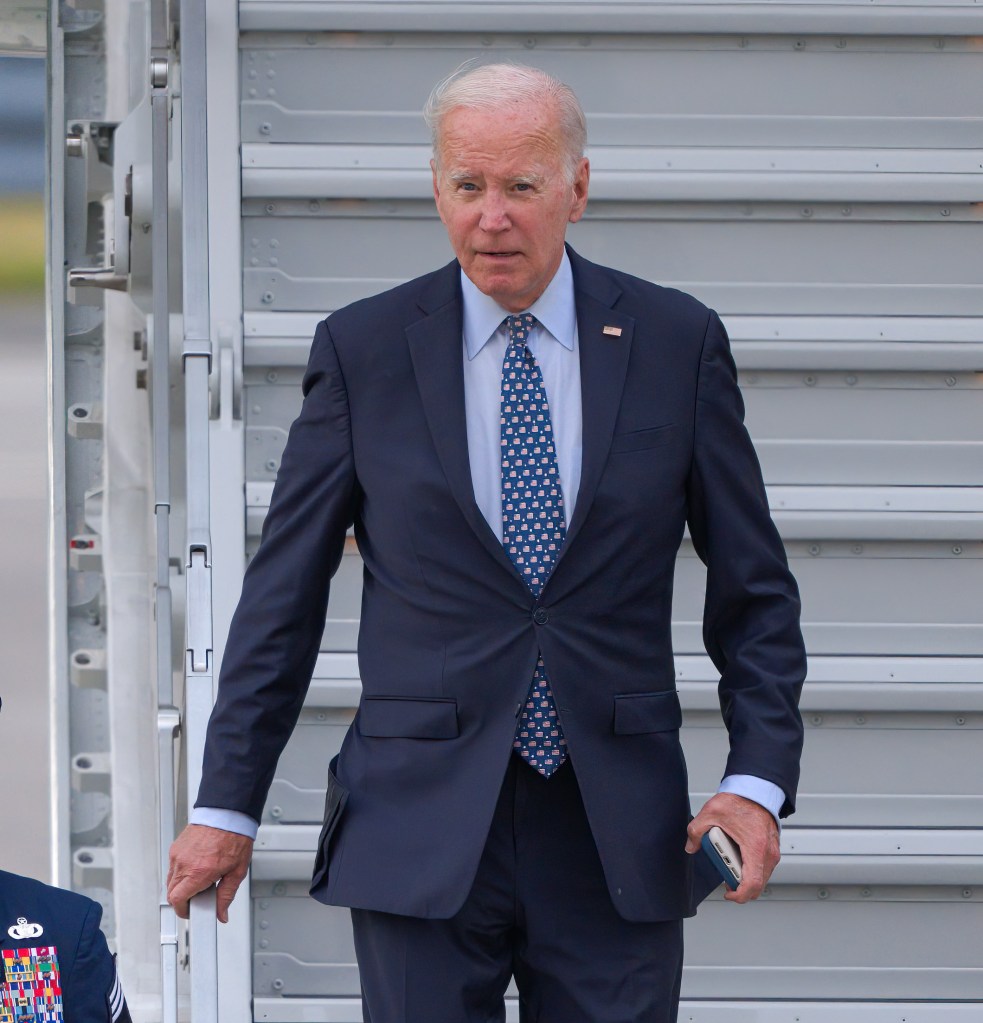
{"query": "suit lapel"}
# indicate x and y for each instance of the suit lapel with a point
(435, 343)
(603, 367)
(435, 349)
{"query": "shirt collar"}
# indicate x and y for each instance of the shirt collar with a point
(555, 309)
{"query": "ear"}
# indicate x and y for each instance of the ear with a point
(581, 182)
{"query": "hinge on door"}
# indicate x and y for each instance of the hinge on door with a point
(199, 610)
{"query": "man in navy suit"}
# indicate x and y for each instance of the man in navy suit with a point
(519, 439)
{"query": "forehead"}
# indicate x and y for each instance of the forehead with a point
(507, 139)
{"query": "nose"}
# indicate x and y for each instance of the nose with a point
(494, 215)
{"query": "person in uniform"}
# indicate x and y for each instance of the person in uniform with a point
(56, 965)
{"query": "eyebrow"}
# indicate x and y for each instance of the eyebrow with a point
(524, 179)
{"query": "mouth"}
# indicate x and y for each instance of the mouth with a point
(498, 256)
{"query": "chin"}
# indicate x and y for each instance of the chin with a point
(503, 291)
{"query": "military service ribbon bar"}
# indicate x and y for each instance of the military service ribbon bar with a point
(31, 988)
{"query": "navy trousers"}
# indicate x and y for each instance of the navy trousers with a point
(540, 911)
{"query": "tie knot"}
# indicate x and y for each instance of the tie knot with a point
(519, 326)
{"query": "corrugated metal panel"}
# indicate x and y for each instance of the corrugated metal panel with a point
(814, 172)
(901, 17)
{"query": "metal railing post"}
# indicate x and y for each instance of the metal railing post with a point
(168, 720)
(197, 353)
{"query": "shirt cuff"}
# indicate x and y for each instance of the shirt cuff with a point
(764, 793)
(226, 820)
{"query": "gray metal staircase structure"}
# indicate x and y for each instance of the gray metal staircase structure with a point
(812, 170)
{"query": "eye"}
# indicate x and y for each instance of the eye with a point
(467, 186)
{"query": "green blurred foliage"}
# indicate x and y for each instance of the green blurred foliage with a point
(21, 245)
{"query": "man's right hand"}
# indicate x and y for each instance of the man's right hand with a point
(202, 857)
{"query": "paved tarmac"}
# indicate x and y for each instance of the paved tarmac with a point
(26, 775)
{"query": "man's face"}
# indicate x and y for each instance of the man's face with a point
(505, 199)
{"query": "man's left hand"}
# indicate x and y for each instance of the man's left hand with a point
(754, 830)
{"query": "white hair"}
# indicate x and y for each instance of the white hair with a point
(492, 86)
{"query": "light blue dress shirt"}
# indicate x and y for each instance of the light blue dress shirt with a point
(553, 342)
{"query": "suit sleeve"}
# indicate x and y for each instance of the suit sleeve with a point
(92, 993)
(751, 617)
(276, 630)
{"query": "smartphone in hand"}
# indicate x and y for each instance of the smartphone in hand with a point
(724, 854)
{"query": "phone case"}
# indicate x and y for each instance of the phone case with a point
(731, 877)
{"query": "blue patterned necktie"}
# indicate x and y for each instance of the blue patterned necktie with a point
(533, 525)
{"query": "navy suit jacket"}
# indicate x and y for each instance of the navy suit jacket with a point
(68, 921)
(449, 631)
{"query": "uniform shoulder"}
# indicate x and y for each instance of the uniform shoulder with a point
(23, 895)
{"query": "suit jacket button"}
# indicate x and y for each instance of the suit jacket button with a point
(541, 616)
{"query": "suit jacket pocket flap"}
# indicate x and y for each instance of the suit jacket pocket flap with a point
(635, 713)
(638, 440)
(398, 717)
(335, 799)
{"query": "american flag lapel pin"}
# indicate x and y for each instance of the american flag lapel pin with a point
(611, 331)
